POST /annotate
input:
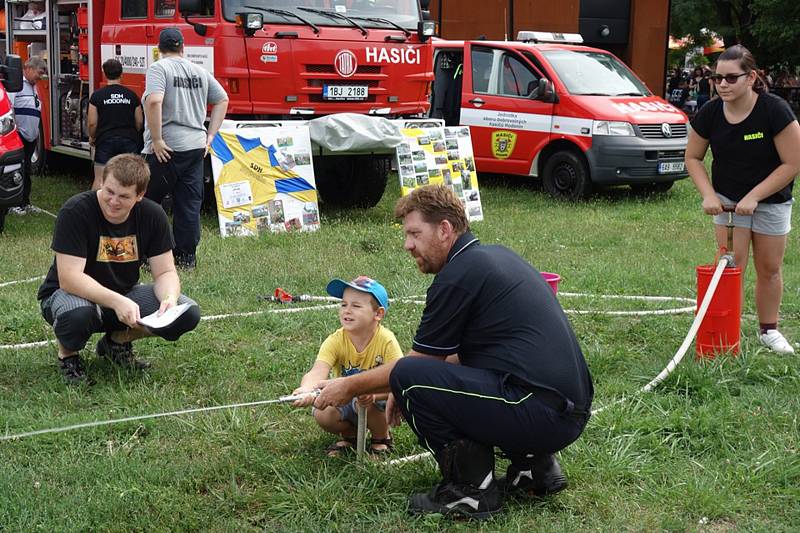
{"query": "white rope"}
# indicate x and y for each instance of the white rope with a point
(224, 316)
(40, 210)
(282, 399)
(15, 282)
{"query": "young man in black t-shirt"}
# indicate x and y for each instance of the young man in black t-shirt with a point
(114, 119)
(494, 363)
(99, 240)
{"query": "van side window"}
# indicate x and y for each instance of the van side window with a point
(516, 79)
(481, 69)
(134, 9)
(165, 8)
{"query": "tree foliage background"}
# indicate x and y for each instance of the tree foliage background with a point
(769, 28)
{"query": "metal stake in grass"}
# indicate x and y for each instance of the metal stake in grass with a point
(361, 432)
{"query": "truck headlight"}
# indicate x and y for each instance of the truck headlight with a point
(607, 127)
(7, 123)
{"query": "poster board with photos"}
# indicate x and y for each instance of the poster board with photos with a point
(264, 180)
(436, 156)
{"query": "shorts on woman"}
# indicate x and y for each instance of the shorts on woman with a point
(767, 219)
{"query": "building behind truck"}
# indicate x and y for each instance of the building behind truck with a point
(278, 60)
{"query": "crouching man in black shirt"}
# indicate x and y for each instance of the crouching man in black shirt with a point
(496, 365)
(100, 240)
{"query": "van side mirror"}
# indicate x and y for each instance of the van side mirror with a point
(11, 73)
(192, 7)
(543, 91)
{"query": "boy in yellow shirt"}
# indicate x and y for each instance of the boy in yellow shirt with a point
(360, 344)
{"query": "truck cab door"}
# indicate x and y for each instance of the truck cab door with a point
(510, 121)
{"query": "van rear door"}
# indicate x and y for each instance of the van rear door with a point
(509, 124)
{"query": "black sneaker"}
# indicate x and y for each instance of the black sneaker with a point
(71, 369)
(120, 354)
(459, 499)
(541, 478)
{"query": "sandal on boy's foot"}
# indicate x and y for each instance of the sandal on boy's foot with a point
(388, 442)
(344, 444)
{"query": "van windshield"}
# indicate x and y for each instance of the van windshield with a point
(383, 13)
(594, 73)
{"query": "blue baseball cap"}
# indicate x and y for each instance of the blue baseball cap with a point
(362, 283)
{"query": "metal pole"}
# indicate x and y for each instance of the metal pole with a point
(361, 434)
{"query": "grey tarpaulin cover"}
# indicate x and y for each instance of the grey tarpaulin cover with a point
(351, 131)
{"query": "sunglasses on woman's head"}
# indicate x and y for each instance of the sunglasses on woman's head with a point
(730, 78)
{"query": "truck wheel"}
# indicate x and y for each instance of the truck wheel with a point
(351, 181)
(566, 176)
(652, 188)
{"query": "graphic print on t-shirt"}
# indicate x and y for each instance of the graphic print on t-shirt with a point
(117, 249)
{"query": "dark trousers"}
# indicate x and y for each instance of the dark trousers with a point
(443, 402)
(181, 176)
(3, 211)
(75, 319)
(29, 148)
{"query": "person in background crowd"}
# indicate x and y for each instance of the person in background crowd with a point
(755, 140)
(702, 86)
(679, 96)
(114, 119)
(674, 80)
(176, 98)
(28, 115)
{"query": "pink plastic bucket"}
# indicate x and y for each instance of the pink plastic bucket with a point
(552, 280)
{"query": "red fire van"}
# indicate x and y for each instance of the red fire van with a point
(575, 116)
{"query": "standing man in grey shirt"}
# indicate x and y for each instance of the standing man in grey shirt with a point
(176, 98)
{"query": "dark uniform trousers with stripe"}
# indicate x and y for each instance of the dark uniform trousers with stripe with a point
(444, 402)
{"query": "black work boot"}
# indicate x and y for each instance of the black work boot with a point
(538, 475)
(120, 353)
(71, 369)
(468, 487)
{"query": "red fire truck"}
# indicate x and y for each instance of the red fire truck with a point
(277, 59)
(11, 154)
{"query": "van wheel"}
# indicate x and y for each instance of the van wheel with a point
(652, 188)
(566, 176)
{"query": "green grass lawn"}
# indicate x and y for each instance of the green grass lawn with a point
(714, 448)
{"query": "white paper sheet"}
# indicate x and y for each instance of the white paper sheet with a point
(153, 321)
